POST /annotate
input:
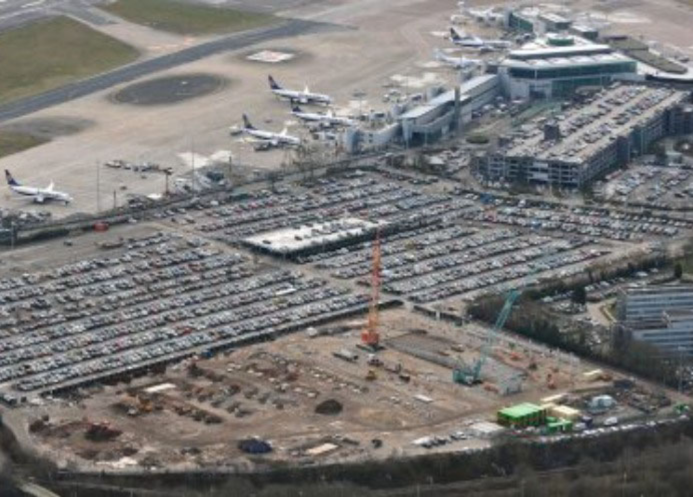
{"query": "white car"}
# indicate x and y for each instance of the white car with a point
(612, 421)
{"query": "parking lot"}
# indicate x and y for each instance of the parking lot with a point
(157, 298)
(197, 285)
(596, 222)
(437, 241)
(655, 186)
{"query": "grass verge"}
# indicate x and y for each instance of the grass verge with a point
(187, 19)
(52, 53)
(12, 142)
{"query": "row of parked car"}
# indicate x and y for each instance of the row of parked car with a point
(155, 299)
(592, 223)
(559, 265)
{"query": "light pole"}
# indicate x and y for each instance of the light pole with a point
(680, 371)
(98, 188)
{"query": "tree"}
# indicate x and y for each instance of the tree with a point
(580, 295)
(272, 178)
(678, 271)
(659, 150)
(478, 139)
(631, 269)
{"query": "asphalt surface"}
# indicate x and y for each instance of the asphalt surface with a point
(269, 6)
(29, 105)
(169, 90)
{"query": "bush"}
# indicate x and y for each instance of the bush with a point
(678, 271)
(477, 139)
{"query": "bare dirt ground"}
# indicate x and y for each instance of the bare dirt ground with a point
(273, 391)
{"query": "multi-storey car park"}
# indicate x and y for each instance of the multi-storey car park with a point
(591, 138)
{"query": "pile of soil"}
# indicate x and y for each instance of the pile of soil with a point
(329, 407)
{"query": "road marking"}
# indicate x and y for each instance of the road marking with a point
(13, 14)
(31, 5)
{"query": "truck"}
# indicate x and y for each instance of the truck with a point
(346, 355)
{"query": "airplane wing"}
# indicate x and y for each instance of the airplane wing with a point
(306, 89)
(255, 139)
(49, 188)
(284, 132)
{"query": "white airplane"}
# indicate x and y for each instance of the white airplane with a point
(302, 97)
(486, 15)
(471, 41)
(326, 119)
(269, 137)
(39, 195)
(456, 62)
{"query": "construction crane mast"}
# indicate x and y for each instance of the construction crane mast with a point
(370, 336)
(472, 375)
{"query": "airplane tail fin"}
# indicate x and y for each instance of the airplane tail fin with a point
(10, 179)
(273, 84)
(295, 108)
(246, 123)
(454, 35)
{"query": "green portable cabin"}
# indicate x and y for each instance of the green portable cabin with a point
(522, 415)
(558, 425)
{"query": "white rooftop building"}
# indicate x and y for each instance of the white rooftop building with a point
(558, 64)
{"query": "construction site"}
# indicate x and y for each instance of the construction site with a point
(242, 331)
(311, 305)
(303, 400)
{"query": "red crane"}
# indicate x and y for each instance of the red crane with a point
(370, 336)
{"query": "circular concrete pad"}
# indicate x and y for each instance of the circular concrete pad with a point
(170, 90)
(48, 128)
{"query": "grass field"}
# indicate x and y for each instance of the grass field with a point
(48, 54)
(12, 142)
(187, 19)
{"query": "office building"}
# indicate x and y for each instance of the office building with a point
(661, 316)
(647, 304)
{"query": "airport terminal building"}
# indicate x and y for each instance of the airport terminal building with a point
(588, 140)
(428, 122)
(555, 66)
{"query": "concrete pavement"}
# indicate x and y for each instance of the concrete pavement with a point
(29, 105)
